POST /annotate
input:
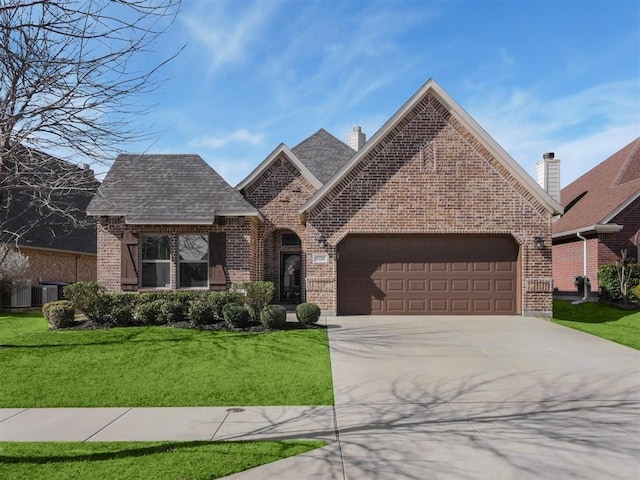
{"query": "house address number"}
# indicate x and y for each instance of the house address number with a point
(320, 258)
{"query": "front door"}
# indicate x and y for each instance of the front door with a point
(290, 277)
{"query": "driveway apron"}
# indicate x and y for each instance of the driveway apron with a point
(482, 398)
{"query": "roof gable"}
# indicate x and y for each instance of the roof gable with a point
(431, 87)
(323, 154)
(599, 195)
(163, 189)
(271, 158)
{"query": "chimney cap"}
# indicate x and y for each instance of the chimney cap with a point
(548, 155)
(357, 129)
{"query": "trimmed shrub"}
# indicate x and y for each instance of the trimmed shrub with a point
(120, 307)
(88, 298)
(59, 314)
(308, 313)
(171, 311)
(610, 285)
(256, 295)
(201, 312)
(273, 316)
(218, 300)
(236, 315)
(148, 313)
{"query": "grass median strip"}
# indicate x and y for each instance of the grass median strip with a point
(160, 366)
(606, 321)
(140, 460)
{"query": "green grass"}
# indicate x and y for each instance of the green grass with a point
(140, 460)
(606, 321)
(159, 366)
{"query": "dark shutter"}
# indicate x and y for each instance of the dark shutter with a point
(217, 261)
(129, 262)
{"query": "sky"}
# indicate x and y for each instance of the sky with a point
(539, 76)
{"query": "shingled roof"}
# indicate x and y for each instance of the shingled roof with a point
(323, 154)
(44, 203)
(598, 195)
(167, 189)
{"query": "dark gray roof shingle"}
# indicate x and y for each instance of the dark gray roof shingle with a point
(323, 154)
(167, 188)
(45, 201)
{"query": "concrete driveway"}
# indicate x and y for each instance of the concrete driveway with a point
(482, 398)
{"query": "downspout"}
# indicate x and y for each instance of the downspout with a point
(584, 267)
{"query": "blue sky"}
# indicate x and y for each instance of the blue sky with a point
(561, 76)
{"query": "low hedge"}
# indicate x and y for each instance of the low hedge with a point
(236, 316)
(610, 286)
(59, 314)
(273, 316)
(308, 313)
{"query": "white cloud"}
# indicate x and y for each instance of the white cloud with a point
(583, 128)
(239, 136)
(228, 33)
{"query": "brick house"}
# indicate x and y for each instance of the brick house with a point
(430, 216)
(602, 207)
(44, 215)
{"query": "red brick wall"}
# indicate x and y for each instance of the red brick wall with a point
(429, 175)
(238, 252)
(605, 249)
(278, 193)
(568, 262)
(60, 266)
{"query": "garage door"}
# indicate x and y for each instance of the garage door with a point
(427, 274)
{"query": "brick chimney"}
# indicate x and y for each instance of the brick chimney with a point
(357, 138)
(548, 172)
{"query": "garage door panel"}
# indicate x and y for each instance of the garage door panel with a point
(460, 286)
(438, 285)
(395, 286)
(460, 306)
(427, 274)
(482, 306)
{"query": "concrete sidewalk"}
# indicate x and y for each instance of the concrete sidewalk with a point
(176, 423)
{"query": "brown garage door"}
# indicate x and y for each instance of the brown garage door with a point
(427, 274)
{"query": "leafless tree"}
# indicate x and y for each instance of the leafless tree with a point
(13, 268)
(74, 81)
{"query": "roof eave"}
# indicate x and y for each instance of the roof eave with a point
(598, 228)
(494, 148)
(266, 163)
(164, 221)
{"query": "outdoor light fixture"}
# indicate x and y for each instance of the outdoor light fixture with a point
(538, 243)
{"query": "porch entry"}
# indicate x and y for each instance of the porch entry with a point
(290, 277)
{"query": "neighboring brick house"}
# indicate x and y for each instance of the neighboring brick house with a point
(43, 214)
(603, 207)
(430, 216)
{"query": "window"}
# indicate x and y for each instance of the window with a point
(156, 261)
(193, 257)
(290, 239)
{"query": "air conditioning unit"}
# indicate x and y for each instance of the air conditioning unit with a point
(21, 295)
(49, 293)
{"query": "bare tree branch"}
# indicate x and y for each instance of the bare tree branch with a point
(74, 82)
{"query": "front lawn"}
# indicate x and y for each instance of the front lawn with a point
(140, 460)
(159, 366)
(606, 321)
